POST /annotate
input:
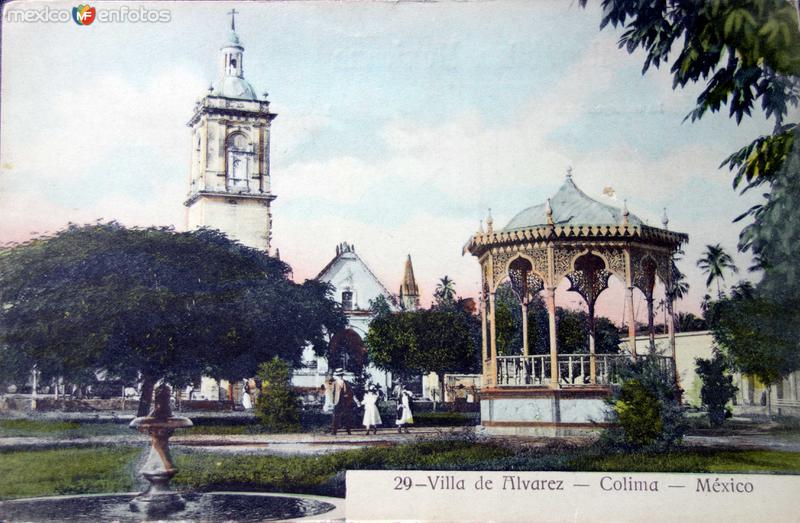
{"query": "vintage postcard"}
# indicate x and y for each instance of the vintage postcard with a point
(378, 261)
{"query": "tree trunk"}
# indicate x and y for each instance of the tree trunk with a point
(440, 386)
(769, 401)
(146, 397)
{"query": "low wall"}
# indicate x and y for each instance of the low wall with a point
(545, 412)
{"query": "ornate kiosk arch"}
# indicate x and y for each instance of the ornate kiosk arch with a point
(576, 237)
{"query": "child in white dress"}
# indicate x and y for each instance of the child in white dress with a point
(404, 415)
(372, 417)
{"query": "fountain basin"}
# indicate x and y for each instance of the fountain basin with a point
(207, 506)
(143, 423)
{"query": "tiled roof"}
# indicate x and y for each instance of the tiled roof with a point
(570, 206)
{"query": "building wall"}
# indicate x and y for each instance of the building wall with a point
(752, 396)
(688, 347)
(247, 221)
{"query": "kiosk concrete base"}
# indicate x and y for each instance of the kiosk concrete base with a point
(545, 412)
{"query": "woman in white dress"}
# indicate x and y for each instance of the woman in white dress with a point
(247, 400)
(404, 415)
(372, 417)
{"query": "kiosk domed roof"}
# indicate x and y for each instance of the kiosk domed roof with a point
(571, 206)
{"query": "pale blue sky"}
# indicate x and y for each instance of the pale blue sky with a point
(399, 125)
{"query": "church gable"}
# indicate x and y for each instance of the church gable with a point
(353, 282)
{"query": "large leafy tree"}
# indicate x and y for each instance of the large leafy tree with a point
(759, 334)
(446, 344)
(393, 345)
(774, 235)
(152, 304)
(714, 263)
(439, 340)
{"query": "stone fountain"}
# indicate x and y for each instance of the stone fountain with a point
(158, 470)
(159, 501)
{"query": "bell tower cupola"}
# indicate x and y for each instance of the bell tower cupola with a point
(232, 51)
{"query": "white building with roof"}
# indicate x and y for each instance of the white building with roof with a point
(355, 286)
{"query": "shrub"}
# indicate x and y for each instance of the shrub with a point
(277, 407)
(648, 407)
(639, 414)
(718, 388)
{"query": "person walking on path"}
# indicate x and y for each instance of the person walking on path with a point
(372, 417)
(404, 415)
(341, 396)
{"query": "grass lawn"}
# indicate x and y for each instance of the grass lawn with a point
(221, 426)
(60, 429)
(67, 471)
(322, 474)
(110, 469)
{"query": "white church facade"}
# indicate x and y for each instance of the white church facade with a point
(356, 287)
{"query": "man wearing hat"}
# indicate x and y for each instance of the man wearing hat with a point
(343, 402)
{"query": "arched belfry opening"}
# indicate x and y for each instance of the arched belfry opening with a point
(574, 237)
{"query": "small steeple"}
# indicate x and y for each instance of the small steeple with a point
(232, 83)
(409, 291)
(665, 219)
(232, 51)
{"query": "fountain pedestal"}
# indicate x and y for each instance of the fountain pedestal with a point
(158, 470)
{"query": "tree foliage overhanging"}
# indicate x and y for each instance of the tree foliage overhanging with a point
(748, 54)
(152, 303)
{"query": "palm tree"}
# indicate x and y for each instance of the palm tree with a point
(679, 286)
(715, 262)
(689, 322)
(445, 291)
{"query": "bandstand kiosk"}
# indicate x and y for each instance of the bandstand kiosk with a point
(576, 237)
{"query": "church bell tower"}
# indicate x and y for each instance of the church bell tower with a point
(229, 184)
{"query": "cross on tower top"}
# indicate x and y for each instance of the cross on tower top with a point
(233, 13)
